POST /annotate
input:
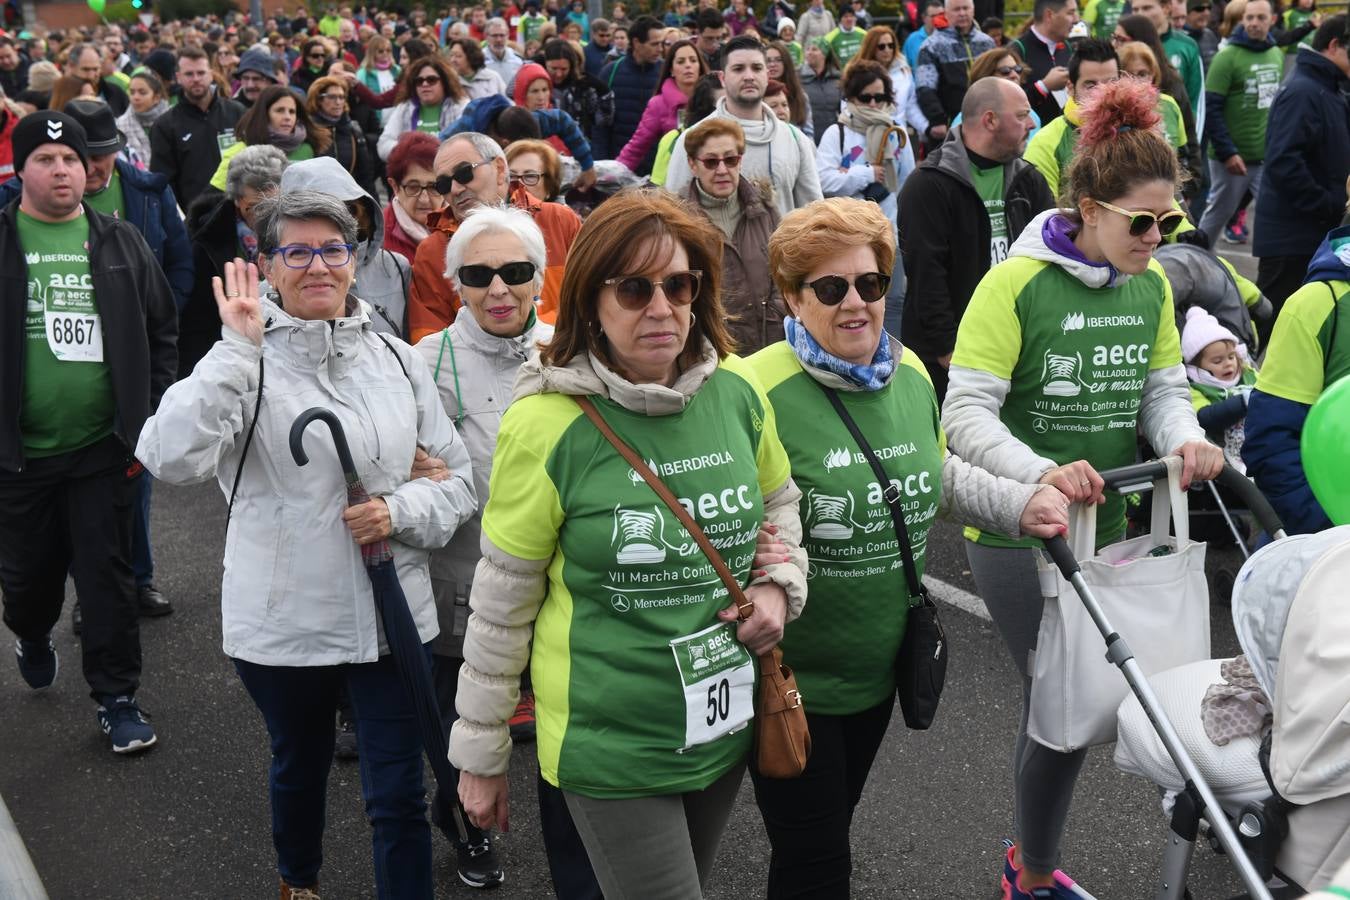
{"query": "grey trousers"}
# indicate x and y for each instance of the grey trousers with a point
(1225, 193)
(656, 848)
(1043, 779)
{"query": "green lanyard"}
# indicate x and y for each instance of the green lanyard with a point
(459, 397)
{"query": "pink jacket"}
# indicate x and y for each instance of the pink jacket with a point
(661, 115)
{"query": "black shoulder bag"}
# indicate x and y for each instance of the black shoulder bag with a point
(921, 663)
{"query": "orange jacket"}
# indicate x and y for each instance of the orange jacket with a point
(433, 301)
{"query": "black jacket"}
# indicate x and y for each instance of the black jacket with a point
(351, 148)
(135, 307)
(111, 93)
(1303, 186)
(15, 81)
(1037, 57)
(944, 239)
(215, 241)
(185, 144)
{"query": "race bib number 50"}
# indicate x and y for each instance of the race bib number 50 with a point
(719, 681)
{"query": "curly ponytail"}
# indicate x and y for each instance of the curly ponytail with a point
(1119, 144)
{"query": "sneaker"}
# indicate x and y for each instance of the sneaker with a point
(38, 663)
(299, 893)
(1234, 235)
(1062, 889)
(344, 747)
(522, 720)
(123, 722)
(478, 866)
(150, 603)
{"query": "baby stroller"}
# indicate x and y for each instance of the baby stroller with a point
(1289, 794)
(1195, 797)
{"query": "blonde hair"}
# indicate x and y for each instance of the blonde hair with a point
(809, 237)
(1137, 51)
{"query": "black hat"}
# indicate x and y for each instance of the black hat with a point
(47, 127)
(100, 126)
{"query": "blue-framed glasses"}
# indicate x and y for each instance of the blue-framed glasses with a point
(301, 256)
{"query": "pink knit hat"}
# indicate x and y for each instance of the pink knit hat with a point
(1201, 330)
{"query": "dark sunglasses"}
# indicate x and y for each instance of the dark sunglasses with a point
(1009, 70)
(832, 289)
(463, 174)
(634, 292)
(1142, 220)
(886, 46)
(712, 162)
(317, 56)
(481, 276)
(427, 79)
(872, 98)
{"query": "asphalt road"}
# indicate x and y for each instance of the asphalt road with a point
(190, 818)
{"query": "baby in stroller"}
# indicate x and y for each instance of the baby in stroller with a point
(1221, 377)
(1282, 711)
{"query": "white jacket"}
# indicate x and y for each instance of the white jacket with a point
(400, 120)
(474, 372)
(836, 183)
(295, 592)
(775, 152)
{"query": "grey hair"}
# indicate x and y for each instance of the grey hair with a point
(73, 57)
(487, 148)
(273, 213)
(487, 220)
(257, 168)
(496, 20)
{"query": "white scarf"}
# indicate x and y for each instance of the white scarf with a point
(416, 233)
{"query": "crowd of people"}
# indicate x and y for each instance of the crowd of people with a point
(738, 237)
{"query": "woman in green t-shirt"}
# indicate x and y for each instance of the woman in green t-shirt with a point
(1066, 349)
(643, 682)
(831, 261)
(278, 117)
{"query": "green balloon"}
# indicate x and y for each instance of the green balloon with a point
(98, 5)
(1326, 459)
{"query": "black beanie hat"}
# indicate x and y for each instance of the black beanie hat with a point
(47, 127)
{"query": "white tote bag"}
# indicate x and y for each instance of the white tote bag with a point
(1158, 604)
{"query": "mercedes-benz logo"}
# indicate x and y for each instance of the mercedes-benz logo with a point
(1040, 426)
(620, 603)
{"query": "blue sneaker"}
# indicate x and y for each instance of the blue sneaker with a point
(38, 663)
(122, 720)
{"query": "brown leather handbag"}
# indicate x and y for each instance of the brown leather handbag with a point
(782, 739)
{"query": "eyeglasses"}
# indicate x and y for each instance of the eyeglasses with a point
(1142, 220)
(1120, 38)
(462, 173)
(481, 276)
(886, 46)
(424, 80)
(413, 189)
(832, 289)
(1005, 71)
(712, 163)
(301, 256)
(317, 56)
(529, 179)
(1204, 7)
(333, 97)
(634, 292)
(872, 98)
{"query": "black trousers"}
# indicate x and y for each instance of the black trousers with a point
(1278, 277)
(938, 373)
(72, 513)
(808, 818)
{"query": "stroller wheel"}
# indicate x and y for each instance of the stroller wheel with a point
(1221, 585)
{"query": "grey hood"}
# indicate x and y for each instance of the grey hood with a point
(382, 277)
(585, 375)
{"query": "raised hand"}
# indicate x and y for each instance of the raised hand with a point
(237, 300)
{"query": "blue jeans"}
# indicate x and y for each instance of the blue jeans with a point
(142, 562)
(298, 705)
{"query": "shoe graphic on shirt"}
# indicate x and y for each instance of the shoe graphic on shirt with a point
(1062, 375)
(830, 517)
(639, 536)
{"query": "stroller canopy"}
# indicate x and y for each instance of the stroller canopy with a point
(1199, 279)
(1293, 622)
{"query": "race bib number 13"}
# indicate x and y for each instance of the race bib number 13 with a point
(75, 337)
(719, 682)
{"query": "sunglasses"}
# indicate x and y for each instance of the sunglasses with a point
(481, 276)
(872, 98)
(832, 289)
(427, 79)
(1005, 71)
(1141, 220)
(712, 162)
(887, 46)
(634, 292)
(463, 174)
(318, 56)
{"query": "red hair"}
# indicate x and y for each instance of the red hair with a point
(1116, 107)
(1120, 145)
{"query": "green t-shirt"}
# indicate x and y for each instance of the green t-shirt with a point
(845, 44)
(1296, 18)
(1174, 123)
(109, 201)
(1076, 357)
(617, 698)
(429, 119)
(1310, 345)
(1184, 55)
(1102, 16)
(795, 48)
(301, 153)
(1248, 80)
(530, 26)
(989, 185)
(67, 386)
(843, 647)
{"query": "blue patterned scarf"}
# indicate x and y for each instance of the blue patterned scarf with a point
(871, 377)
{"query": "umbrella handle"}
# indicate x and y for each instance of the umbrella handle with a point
(339, 438)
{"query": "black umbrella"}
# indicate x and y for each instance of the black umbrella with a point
(400, 631)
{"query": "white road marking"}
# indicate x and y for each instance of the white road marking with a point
(962, 600)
